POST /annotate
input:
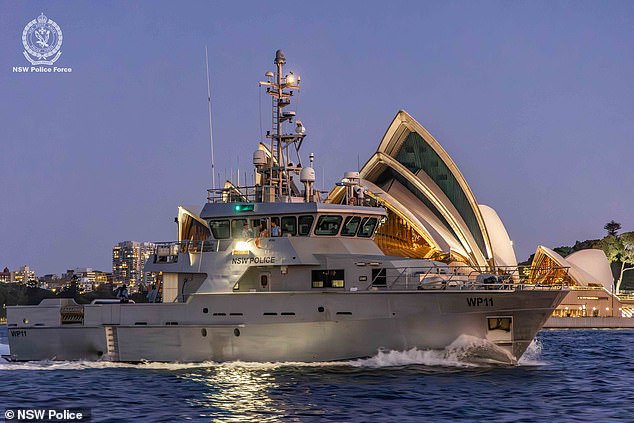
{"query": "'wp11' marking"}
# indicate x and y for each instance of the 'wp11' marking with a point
(479, 302)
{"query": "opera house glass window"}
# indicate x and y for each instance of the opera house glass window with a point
(417, 155)
(389, 174)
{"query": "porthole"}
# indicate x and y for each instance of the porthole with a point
(236, 332)
(203, 332)
(205, 310)
(320, 309)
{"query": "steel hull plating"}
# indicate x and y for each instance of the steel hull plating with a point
(288, 326)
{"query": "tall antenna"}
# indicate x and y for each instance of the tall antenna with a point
(211, 133)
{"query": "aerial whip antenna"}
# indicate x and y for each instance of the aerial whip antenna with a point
(211, 134)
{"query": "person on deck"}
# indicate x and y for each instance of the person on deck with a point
(122, 293)
(246, 231)
(275, 230)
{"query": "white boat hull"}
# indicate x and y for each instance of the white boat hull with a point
(350, 326)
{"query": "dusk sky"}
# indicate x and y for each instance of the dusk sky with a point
(534, 101)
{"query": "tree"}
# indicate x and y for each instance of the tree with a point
(619, 248)
(612, 227)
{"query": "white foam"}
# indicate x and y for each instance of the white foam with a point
(532, 355)
(413, 356)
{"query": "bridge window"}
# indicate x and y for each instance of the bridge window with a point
(350, 226)
(305, 223)
(328, 278)
(289, 225)
(367, 227)
(328, 225)
(220, 228)
(237, 227)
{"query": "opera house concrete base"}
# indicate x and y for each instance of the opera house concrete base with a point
(589, 323)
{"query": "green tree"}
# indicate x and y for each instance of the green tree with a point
(612, 227)
(619, 248)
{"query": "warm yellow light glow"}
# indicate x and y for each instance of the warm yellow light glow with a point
(290, 79)
(242, 248)
(607, 308)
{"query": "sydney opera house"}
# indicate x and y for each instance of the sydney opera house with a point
(433, 214)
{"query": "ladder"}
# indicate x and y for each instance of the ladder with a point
(112, 343)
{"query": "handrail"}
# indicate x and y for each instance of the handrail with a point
(233, 194)
(167, 251)
(470, 278)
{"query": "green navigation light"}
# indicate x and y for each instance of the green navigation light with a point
(243, 207)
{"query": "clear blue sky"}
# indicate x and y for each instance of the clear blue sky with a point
(533, 100)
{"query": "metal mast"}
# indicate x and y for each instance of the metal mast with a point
(276, 178)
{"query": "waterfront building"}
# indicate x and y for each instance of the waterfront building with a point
(49, 277)
(54, 282)
(6, 276)
(102, 277)
(128, 261)
(87, 273)
(84, 285)
(24, 274)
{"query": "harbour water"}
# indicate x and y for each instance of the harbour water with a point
(567, 375)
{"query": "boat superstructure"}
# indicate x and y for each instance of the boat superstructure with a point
(272, 273)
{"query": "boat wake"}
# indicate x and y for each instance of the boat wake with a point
(465, 352)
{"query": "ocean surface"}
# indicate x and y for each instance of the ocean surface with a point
(566, 376)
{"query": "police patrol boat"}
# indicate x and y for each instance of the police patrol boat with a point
(270, 272)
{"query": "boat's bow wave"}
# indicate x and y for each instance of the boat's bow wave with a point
(532, 355)
(465, 352)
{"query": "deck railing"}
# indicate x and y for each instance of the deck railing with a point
(167, 252)
(233, 194)
(469, 278)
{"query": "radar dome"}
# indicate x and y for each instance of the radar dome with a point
(259, 158)
(307, 174)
